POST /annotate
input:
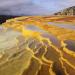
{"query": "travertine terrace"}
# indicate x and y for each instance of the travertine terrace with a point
(35, 45)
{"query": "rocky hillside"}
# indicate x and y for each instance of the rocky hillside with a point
(3, 18)
(68, 11)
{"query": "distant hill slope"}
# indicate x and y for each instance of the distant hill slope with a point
(3, 18)
(68, 11)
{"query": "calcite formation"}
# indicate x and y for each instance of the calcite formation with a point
(31, 46)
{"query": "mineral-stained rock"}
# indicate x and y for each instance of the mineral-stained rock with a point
(31, 46)
(13, 58)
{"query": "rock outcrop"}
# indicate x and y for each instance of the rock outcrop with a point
(68, 11)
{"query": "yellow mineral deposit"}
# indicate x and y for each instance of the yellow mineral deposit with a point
(33, 51)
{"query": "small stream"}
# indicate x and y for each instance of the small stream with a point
(70, 44)
(67, 26)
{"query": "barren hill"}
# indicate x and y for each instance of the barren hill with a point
(68, 11)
